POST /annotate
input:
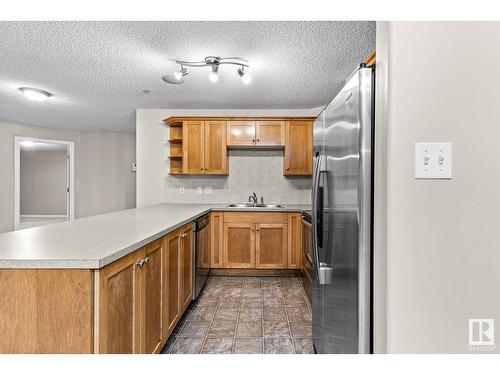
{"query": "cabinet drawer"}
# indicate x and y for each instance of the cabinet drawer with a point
(255, 217)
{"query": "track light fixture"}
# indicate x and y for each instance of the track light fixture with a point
(210, 61)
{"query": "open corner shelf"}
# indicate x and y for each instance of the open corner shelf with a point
(175, 147)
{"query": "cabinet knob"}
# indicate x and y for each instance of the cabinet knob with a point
(183, 235)
(258, 140)
(287, 168)
(146, 260)
(201, 168)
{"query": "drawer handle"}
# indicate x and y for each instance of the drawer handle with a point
(142, 262)
(183, 235)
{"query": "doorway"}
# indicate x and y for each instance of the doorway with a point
(44, 182)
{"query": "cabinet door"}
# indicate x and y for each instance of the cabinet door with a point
(270, 133)
(298, 148)
(171, 267)
(217, 240)
(271, 246)
(193, 151)
(119, 306)
(241, 133)
(151, 301)
(239, 249)
(294, 241)
(215, 147)
(186, 267)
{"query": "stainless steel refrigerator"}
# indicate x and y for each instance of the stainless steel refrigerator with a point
(342, 219)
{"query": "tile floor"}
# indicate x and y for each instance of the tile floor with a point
(246, 315)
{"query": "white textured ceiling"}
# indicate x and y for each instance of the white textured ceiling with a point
(97, 71)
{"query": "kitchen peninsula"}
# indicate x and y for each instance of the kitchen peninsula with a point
(119, 282)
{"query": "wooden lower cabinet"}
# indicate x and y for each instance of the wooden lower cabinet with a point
(142, 296)
(186, 267)
(216, 240)
(271, 245)
(151, 298)
(239, 248)
(294, 260)
(118, 306)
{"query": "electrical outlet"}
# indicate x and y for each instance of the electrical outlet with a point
(182, 191)
(200, 190)
(208, 190)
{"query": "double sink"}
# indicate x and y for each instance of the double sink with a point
(253, 205)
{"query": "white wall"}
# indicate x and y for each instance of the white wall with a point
(103, 178)
(249, 170)
(442, 237)
(43, 181)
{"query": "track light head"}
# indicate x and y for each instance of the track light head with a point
(245, 77)
(213, 76)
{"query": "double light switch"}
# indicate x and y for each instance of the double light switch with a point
(433, 161)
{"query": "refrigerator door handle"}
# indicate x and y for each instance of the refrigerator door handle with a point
(317, 213)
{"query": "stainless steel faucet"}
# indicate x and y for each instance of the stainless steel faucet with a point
(253, 198)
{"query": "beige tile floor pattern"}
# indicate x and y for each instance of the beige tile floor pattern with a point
(246, 315)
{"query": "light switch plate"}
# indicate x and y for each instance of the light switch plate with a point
(200, 190)
(182, 190)
(433, 161)
(208, 190)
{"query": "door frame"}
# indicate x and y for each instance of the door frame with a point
(17, 175)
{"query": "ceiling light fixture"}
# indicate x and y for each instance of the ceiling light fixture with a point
(245, 77)
(210, 61)
(35, 94)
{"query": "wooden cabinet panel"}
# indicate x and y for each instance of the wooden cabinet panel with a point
(255, 217)
(217, 239)
(186, 266)
(193, 147)
(171, 266)
(271, 246)
(294, 241)
(239, 250)
(241, 133)
(46, 311)
(151, 301)
(119, 306)
(298, 148)
(215, 147)
(270, 133)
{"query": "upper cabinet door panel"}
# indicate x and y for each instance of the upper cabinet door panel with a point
(193, 147)
(270, 133)
(298, 148)
(215, 147)
(241, 133)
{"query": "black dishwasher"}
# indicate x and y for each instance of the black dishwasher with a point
(201, 263)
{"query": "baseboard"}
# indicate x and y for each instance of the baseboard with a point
(252, 272)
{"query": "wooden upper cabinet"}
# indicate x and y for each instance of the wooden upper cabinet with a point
(215, 147)
(186, 266)
(193, 147)
(298, 148)
(239, 250)
(241, 133)
(271, 245)
(270, 133)
(151, 298)
(119, 306)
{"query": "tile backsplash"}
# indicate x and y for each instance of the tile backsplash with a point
(259, 171)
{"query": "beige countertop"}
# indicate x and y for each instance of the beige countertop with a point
(95, 241)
